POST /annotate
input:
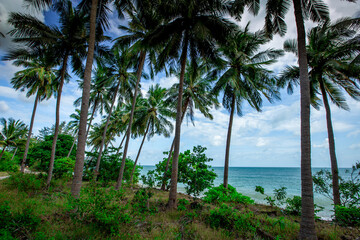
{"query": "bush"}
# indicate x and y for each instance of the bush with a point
(39, 155)
(140, 202)
(182, 203)
(64, 167)
(348, 216)
(29, 183)
(109, 167)
(17, 225)
(222, 195)
(293, 206)
(279, 195)
(8, 165)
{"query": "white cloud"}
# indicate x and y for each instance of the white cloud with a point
(324, 144)
(3, 107)
(12, 93)
(355, 146)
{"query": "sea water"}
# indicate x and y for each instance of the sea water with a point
(245, 179)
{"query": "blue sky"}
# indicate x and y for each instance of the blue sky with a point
(270, 138)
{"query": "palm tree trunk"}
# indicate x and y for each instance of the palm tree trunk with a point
(122, 141)
(2, 152)
(57, 122)
(12, 158)
(174, 172)
(227, 151)
(92, 117)
(138, 75)
(23, 162)
(334, 166)
(80, 152)
(72, 146)
(172, 147)
(137, 156)
(96, 171)
(307, 223)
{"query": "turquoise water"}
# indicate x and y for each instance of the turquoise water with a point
(244, 179)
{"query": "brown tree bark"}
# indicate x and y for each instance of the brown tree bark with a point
(80, 152)
(57, 121)
(228, 139)
(307, 223)
(172, 147)
(72, 146)
(12, 158)
(138, 76)
(92, 117)
(137, 156)
(174, 172)
(96, 171)
(334, 166)
(23, 162)
(121, 143)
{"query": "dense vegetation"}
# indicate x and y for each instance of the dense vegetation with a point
(200, 43)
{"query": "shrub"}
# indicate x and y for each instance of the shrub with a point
(64, 167)
(293, 206)
(222, 195)
(182, 203)
(349, 216)
(140, 202)
(279, 195)
(8, 165)
(29, 183)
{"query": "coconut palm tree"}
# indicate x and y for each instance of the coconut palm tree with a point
(193, 29)
(37, 78)
(316, 10)
(117, 65)
(243, 77)
(68, 41)
(11, 132)
(152, 117)
(196, 95)
(330, 52)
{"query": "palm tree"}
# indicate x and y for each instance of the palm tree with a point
(196, 95)
(144, 19)
(37, 78)
(330, 51)
(243, 78)
(317, 11)
(11, 132)
(73, 125)
(68, 43)
(152, 116)
(193, 29)
(117, 65)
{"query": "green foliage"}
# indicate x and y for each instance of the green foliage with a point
(100, 206)
(348, 216)
(64, 167)
(17, 225)
(29, 183)
(39, 155)
(293, 206)
(109, 167)
(193, 171)
(182, 203)
(8, 165)
(349, 189)
(140, 203)
(149, 179)
(279, 195)
(231, 219)
(220, 195)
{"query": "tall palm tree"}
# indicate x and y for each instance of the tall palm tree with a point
(37, 79)
(73, 125)
(330, 51)
(243, 78)
(68, 42)
(152, 116)
(196, 95)
(11, 132)
(118, 65)
(317, 11)
(193, 29)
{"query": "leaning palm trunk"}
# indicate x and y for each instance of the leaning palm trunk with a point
(138, 76)
(2, 152)
(23, 162)
(228, 139)
(307, 223)
(56, 132)
(334, 166)
(96, 171)
(92, 117)
(138, 155)
(172, 148)
(174, 172)
(80, 151)
(72, 146)
(122, 141)
(12, 158)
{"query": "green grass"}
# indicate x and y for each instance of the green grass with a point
(107, 214)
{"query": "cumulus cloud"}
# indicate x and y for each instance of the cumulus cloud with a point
(3, 107)
(324, 144)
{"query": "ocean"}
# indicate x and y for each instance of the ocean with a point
(244, 179)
